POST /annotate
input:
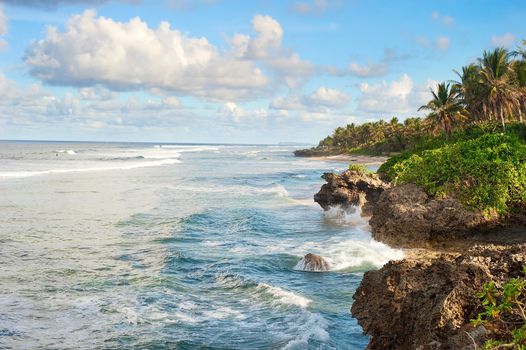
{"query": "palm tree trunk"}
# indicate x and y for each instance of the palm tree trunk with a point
(502, 119)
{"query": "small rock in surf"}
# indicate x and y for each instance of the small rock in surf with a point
(312, 262)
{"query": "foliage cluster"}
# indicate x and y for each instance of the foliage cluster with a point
(360, 169)
(504, 312)
(486, 172)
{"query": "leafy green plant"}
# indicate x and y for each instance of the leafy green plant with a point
(359, 168)
(504, 310)
(487, 172)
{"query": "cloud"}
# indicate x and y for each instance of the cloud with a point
(370, 69)
(131, 56)
(441, 43)
(447, 21)
(266, 46)
(53, 4)
(399, 97)
(185, 5)
(314, 7)
(327, 97)
(3, 22)
(322, 101)
(506, 40)
(231, 111)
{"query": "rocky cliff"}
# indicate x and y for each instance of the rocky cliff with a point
(426, 300)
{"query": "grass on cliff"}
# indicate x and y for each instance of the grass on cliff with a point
(484, 170)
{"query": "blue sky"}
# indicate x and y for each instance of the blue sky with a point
(257, 71)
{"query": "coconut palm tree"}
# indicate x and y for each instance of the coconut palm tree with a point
(470, 90)
(499, 94)
(446, 107)
(519, 67)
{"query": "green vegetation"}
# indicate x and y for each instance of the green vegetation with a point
(487, 172)
(504, 309)
(359, 169)
(491, 90)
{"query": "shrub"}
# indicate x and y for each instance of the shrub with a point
(487, 172)
(504, 309)
(359, 168)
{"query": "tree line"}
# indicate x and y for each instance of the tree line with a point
(491, 89)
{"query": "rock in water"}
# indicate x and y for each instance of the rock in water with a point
(312, 262)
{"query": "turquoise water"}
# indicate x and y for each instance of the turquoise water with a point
(142, 246)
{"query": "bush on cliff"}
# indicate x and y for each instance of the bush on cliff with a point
(504, 313)
(487, 172)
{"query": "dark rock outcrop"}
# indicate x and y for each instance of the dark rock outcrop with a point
(313, 262)
(349, 188)
(427, 302)
(405, 216)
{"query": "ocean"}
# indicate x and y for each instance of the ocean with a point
(166, 246)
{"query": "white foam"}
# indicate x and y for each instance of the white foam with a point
(128, 166)
(284, 296)
(69, 151)
(314, 327)
(348, 216)
(181, 148)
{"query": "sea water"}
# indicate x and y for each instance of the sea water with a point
(145, 246)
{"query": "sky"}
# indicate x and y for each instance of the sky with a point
(232, 71)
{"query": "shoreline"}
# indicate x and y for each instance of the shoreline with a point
(358, 159)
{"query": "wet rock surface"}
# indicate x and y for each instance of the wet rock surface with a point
(313, 262)
(349, 188)
(427, 301)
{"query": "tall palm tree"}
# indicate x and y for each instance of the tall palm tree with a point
(499, 96)
(445, 107)
(519, 67)
(470, 89)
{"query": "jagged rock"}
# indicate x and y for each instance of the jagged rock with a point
(312, 262)
(405, 216)
(427, 302)
(349, 188)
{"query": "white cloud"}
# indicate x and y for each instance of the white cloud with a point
(368, 70)
(188, 5)
(3, 27)
(506, 40)
(233, 112)
(266, 47)
(442, 43)
(314, 7)
(447, 21)
(322, 101)
(327, 97)
(400, 97)
(130, 55)
(53, 4)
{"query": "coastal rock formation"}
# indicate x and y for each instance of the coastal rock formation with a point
(312, 262)
(405, 216)
(349, 188)
(426, 302)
